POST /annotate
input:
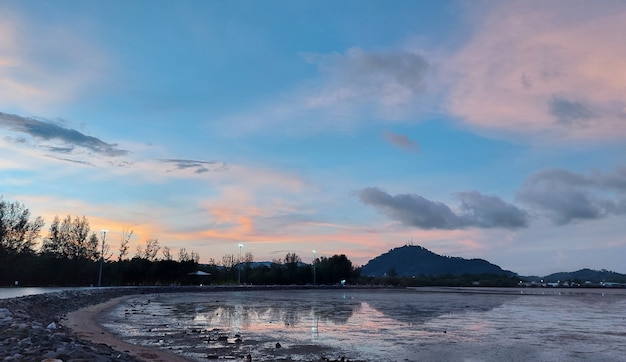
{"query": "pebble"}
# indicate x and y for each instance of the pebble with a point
(31, 328)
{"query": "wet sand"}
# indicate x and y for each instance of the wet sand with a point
(85, 323)
(427, 324)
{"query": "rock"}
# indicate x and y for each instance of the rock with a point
(52, 325)
(5, 315)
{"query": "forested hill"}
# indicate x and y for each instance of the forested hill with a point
(586, 275)
(412, 260)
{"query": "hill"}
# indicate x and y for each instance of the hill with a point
(586, 275)
(413, 260)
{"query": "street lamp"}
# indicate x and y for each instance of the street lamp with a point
(104, 236)
(314, 258)
(239, 265)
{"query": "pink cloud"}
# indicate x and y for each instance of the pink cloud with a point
(544, 69)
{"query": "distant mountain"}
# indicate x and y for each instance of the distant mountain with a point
(413, 260)
(586, 275)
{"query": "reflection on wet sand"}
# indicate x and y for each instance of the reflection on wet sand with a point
(419, 309)
(377, 325)
(416, 309)
(245, 312)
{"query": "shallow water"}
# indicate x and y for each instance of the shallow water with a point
(381, 325)
(12, 292)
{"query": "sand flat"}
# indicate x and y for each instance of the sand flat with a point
(84, 322)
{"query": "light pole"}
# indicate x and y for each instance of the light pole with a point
(239, 265)
(104, 236)
(314, 258)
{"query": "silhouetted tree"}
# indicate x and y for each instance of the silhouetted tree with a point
(126, 235)
(334, 269)
(18, 233)
(70, 239)
(167, 254)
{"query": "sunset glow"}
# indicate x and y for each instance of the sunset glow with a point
(493, 130)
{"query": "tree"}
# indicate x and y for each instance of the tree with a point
(334, 269)
(229, 261)
(167, 253)
(70, 239)
(292, 258)
(195, 257)
(126, 235)
(18, 233)
(291, 264)
(152, 249)
(183, 255)
(149, 251)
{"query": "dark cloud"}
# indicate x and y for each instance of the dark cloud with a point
(374, 73)
(199, 166)
(476, 210)
(401, 141)
(79, 162)
(21, 140)
(490, 211)
(566, 196)
(67, 150)
(569, 112)
(48, 131)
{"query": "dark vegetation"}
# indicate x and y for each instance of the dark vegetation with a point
(71, 254)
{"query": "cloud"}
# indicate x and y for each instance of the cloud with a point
(490, 211)
(549, 70)
(476, 210)
(48, 131)
(43, 64)
(199, 166)
(569, 112)
(355, 86)
(401, 141)
(566, 196)
(392, 77)
(78, 162)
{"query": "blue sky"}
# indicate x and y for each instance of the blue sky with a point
(480, 129)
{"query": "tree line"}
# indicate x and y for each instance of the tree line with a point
(71, 254)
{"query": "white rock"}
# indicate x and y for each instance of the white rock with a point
(52, 326)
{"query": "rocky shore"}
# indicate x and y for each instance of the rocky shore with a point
(32, 327)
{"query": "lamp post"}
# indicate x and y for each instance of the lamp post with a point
(104, 236)
(239, 265)
(314, 258)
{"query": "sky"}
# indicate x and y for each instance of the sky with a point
(478, 129)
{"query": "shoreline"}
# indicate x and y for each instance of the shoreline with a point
(85, 323)
(65, 325)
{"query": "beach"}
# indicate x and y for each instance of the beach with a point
(64, 325)
(86, 325)
(34, 328)
(423, 324)
(67, 325)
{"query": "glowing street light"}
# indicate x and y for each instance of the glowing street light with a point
(239, 265)
(104, 236)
